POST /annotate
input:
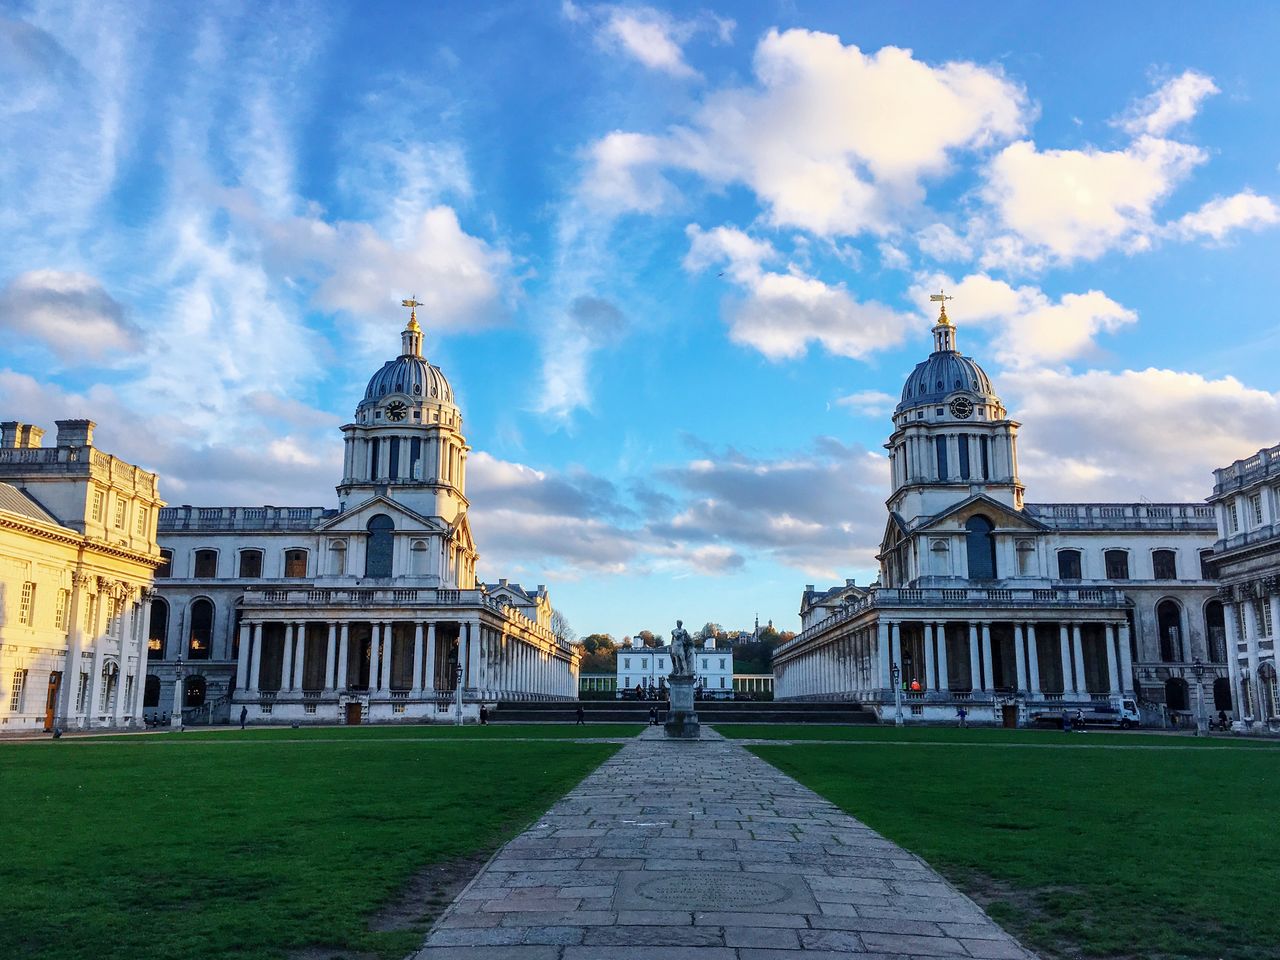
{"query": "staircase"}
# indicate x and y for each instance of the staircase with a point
(709, 711)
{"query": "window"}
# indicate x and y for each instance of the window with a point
(704, 663)
(644, 663)
(381, 546)
(1233, 518)
(963, 440)
(250, 564)
(1255, 508)
(1262, 612)
(206, 564)
(82, 692)
(722, 663)
(373, 460)
(986, 458)
(1206, 573)
(295, 563)
(393, 456)
(201, 639)
(627, 663)
(1169, 620)
(140, 516)
(415, 454)
(1165, 563)
(99, 500)
(1117, 564)
(940, 445)
(121, 507)
(159, 629)
(60, 610)
(1216, 629)
(27, 603)
(15, 692)
(1068, 564)
(166, 564)
(91, 615)
(981, 548)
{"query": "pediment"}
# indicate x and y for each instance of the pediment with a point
(356, 519)
(1001, 515)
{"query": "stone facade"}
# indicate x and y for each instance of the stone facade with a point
(370, 612)
(650, 666)
(994, 604)
(77, 554)
(1246, 559)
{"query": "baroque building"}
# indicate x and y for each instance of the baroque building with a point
(1246, 559)
(1007, 608)
(77, 554)
(369, 612)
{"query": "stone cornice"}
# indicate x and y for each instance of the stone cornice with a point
(69, 537)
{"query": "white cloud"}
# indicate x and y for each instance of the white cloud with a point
(624, 173)
(942, 243)
(71, 314)
(820, 139)
(869, 403)
(1174, 103)
(1220, 216)
(1151, 433)
(651, 37)
(781, 313)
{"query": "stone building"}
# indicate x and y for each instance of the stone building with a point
(648, 667)
(1246, 559)
(370, 611)
(998, 605)
(77, 553)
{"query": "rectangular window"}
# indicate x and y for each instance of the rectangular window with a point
(415, 456)
(704, 663)
(82, 692)
(1233, 518)
(99, 499)
(1117, 565)
(91, 614)
(1205, 557)
(393, 455)
(27, 603)
(373, 459)
(963, 441)
(166, 564)
(141, 524)
(250, 564)
(986, 458)
(1262, 610)
(1165, 564)
(60, 610)
(295, 563)
(940, 444)
(722, 663)
(1068, 564)
(206, 564)
(1255, 508)
(626, 663)
(15, 693)
(121, 506)
(722, 683)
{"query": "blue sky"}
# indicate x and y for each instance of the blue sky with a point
(675, 259)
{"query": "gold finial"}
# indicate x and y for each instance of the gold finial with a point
(413, 303)
(941, 298)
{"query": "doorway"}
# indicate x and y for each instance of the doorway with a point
(355, 711)
(51, 699)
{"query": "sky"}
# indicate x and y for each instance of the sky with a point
(675, 260)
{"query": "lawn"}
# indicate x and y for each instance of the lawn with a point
(391, 731)
(982, 735)
(177, 846)
(1083, 853)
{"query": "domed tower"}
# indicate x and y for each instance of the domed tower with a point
(406, 440)
(952, 436)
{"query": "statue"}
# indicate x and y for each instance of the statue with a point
(681, 652)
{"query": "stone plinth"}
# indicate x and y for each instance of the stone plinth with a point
(682, 722)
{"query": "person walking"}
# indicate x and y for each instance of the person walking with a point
(581, 717)
(963, 715)
(244, 715)
(653, 716)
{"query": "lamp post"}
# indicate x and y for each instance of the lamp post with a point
(457, 686)
(897, 695)
(1197, 667)
(175, 720)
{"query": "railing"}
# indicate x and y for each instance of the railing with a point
(1160, 516)
(242, 518)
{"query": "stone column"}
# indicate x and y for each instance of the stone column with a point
(430, 682)
(1113, 671)
(242, 662)
(375, 656)
(929, 683)
(940, 632)
(1064, 638)
(144, 643)
(1252, 628)
(1126, 659)
(94, 707)
(1033, 658)
(75, 643)
(388, 647)
(123, 642)
(286, 669)
(300, 658)
(330, 657)
(343, 635)
(895, 640)
(1233, 657)
(1078, 648)
(882, 652)
(1019, 658)
(473, 653)
(255, 661)
(975, 664)
(988, 667)
(415, 689)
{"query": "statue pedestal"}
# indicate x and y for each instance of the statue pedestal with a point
(682, 722)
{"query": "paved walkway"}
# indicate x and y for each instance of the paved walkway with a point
(702, 851)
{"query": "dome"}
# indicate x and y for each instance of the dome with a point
(942, 374)
(411, 376)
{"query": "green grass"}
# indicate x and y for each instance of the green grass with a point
(159, 847)
(980, 735)
(1083, 853)
(426, 731)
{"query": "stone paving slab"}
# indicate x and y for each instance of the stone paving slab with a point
(701, 851)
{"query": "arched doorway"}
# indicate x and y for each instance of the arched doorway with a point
(1215, 631)
(1222, 694)
(159, 629)
(200, 642)
(381, 543)
(981, 548)
(193, 691)
(1169, 620)
(1176, 695)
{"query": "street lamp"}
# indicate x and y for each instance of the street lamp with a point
(175, 720)
(457, 686)
(1197, 667)
(897, 695)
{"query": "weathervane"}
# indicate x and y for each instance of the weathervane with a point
(413, 303)
(940, 297)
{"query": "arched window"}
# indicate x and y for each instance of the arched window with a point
(982, 548)
(250, 564)
(1215, 630)
(295, 564)
(381, 541)
(419, 558)
(1165, 564)
(193, 691)
(159, 629)
(201, 639)
(1068, 564)
(1169, 620)
(206, 564)
(337, 558)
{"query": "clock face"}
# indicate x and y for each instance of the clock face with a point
(396, 410)
(962, 407)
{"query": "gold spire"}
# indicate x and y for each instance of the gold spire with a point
(940, 298)
(413, 303)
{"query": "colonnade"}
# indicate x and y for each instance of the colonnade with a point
(117, 616)
(753, 682)
(1251, 620)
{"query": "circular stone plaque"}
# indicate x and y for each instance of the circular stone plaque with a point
(701, 891)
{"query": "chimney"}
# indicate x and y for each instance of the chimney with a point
(21, 436)
(808, 588)
(849, 582)
(636, 641)
(75, 433)
(709, 644)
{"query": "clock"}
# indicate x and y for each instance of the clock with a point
(396, 410)
(962, 408)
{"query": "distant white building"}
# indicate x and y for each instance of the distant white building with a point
(991, 603)
(649, 667)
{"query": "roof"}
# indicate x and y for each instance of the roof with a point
(941, 374)
(411, 376)
(18, 501)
